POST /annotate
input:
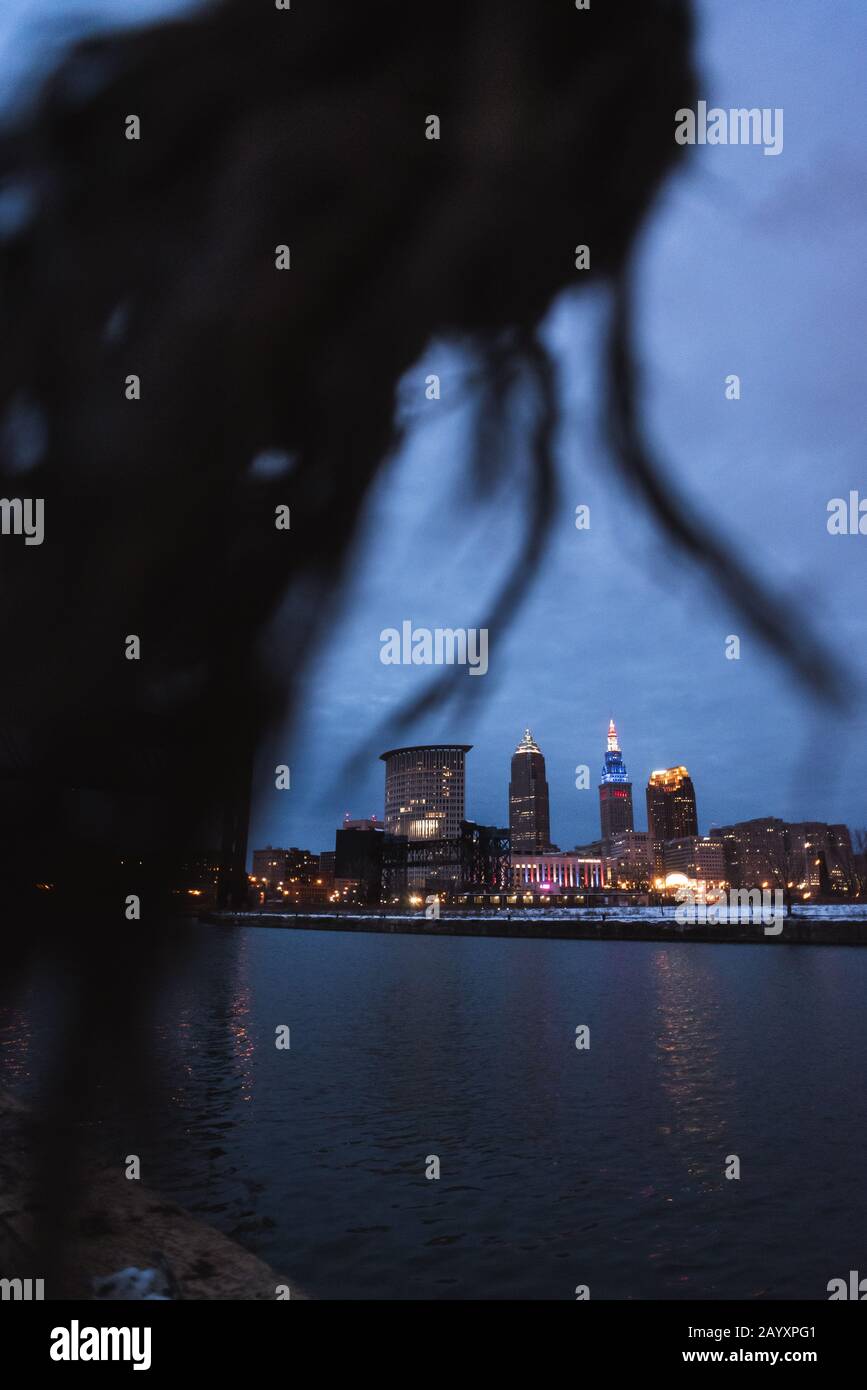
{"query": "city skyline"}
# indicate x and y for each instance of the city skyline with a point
(680, 820)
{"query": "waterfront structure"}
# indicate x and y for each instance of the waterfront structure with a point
(425, 790)
(555, 872)
(699, 857)
(627, 859)
(475, 860)
(615, 790)
(671, 811)
(529, 814)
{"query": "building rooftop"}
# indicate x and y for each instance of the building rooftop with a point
(428, 748)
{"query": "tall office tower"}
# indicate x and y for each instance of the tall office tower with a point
(615, 791)
(671, 812)
(424, 790)
(529, 818)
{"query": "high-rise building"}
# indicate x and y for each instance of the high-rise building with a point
(615, 791)
(424, 790)
(671, 811)
(529, 818)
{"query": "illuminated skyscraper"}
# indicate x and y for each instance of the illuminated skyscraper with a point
(529, 818)
(671, 811)
(424, 790)
(615, 791)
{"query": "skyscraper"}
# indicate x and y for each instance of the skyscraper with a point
(529, 818)
(424, 790)
(615, 790)
(671, 811)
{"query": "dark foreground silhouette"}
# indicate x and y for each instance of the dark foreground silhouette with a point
(156, 258)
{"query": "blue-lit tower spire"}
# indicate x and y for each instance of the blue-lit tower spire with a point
(615, 790)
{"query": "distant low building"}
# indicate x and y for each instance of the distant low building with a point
(358, 860)
(820, 856)
(326, 867)
(806, 857)
(698, 857)
(292, 875)
(756, 852)
(627, 859)
(269, 866)
(594, 850)
(556, 872)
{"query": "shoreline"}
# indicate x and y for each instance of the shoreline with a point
(804, 931)
(114, 1223)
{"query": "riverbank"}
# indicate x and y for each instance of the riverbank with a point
(119, 1223)
(613, 926)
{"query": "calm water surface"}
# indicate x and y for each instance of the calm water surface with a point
(558, 1167)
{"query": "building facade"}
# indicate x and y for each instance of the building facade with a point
(627, 859)
(810, 857)
(555, 872)
(358, 847)
(820, 856)
(756, 852)
(269, 866)
(291, 874)
(425, 790)
(529, 812)
(699, 857)
(671, 811)
(615, 790)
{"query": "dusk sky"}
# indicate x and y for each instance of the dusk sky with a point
(751, 265)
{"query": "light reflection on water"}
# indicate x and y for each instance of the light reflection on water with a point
(558, 1167)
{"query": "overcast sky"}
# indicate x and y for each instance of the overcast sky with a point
(750, 265)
